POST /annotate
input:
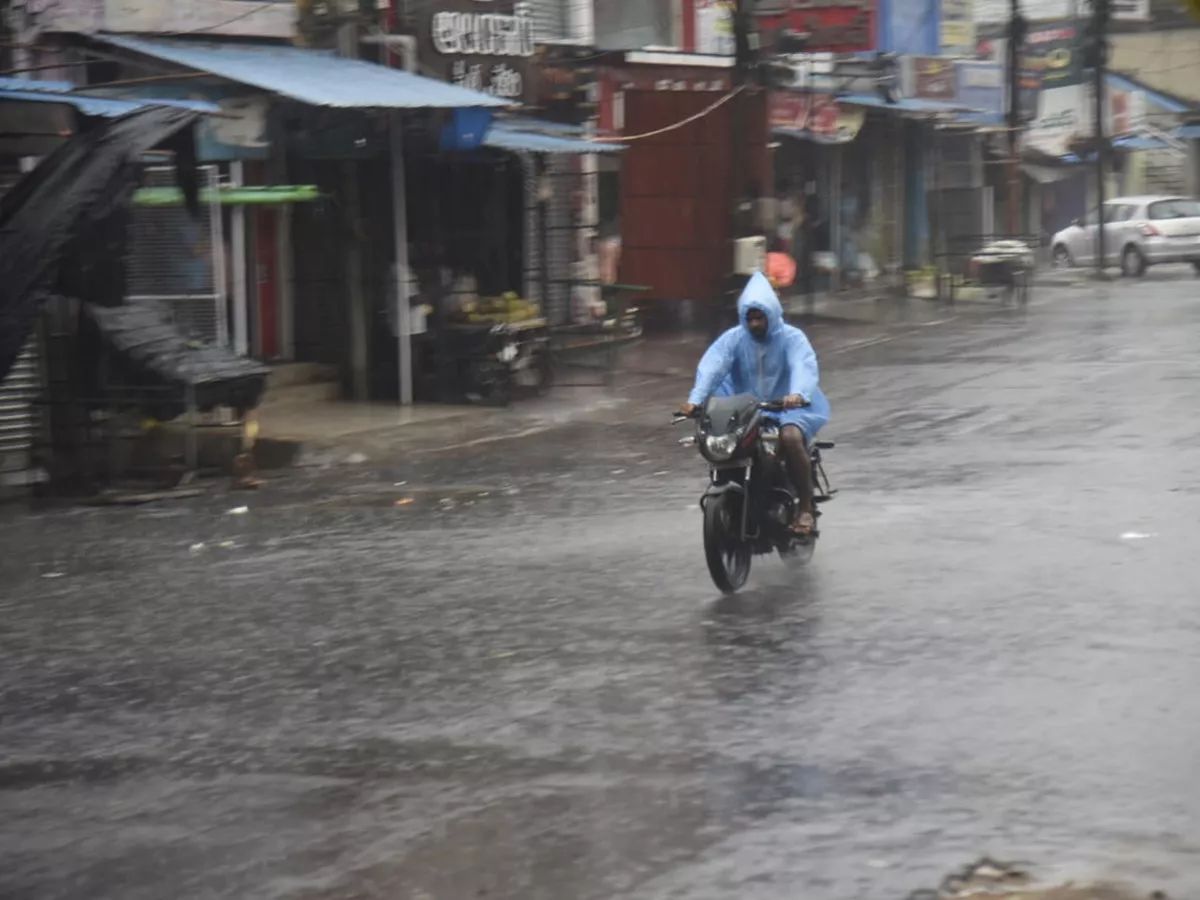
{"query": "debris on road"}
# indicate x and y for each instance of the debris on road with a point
(988, 878)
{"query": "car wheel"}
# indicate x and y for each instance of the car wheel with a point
(1133, 264)
(1061, 258)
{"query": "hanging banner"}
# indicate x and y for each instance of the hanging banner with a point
(958, 27)
(833, 26)
(813, 115)
(483, 45)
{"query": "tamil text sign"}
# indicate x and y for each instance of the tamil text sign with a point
(484, 45)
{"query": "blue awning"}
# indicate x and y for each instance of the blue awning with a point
(100, 106)
(904, 105)
(1140, 142)
(504, 135)
(1189, 132)
(315, 77)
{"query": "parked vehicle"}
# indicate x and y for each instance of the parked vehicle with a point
(749, 504)
(1139, 232)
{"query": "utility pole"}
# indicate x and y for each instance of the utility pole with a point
(745, 57)
(1017, 27)
(1097, 53)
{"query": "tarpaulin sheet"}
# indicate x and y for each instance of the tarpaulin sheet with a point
(142, 349)
(64, 226)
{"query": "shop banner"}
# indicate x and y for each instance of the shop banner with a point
(484, 45)
(1053, 49)
(958, 27)
(1052, 52)
(822, 117)
(980, 85)
(934, 78)
(834, 26)
(714, 27)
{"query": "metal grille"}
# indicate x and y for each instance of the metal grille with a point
(562, 227)
(180, 262)
(17, 395)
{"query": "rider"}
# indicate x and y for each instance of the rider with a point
(766, 357)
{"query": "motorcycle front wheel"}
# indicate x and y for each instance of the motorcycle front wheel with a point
(727, 555)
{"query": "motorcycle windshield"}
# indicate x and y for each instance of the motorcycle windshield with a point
(726, 414)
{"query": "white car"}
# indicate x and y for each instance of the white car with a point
(1138, 232)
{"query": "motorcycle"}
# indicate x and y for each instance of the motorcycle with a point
(749, 505)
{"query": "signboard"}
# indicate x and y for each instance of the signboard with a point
(1052, 53)
(1126, 112)
(980, 85)
(484, 45)
(210, 18)
(714, 27)
(1130, 10)
(958, 27)
(1052, 48)
(822, 117)
(834, 26)
(934, 78)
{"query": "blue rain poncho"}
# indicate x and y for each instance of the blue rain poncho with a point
(784, 363)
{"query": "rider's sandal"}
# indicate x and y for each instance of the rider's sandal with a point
(804, 525)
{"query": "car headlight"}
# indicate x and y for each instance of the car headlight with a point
(721, 447)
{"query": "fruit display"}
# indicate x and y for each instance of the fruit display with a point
(508, 308)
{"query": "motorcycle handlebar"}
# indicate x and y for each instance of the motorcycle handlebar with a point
(764, 405)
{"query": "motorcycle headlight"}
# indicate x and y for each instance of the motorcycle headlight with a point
(720, 447)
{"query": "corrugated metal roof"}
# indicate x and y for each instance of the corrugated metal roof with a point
(1189, 132)
(315, 77)
(89, 105)
(505, 136)
(904, 105)
(8, 83)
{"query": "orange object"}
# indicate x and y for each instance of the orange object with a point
(781, 270)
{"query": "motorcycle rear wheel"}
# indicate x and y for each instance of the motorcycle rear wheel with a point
(728, 556)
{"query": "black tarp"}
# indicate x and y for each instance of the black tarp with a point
(133, 346)
(64, 226)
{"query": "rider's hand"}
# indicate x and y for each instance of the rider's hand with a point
(793, 401)
(688, 409)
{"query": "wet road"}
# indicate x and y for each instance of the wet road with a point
(518, 682)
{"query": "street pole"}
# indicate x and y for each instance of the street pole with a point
(1099, 53)
(743, 60)
(1016, 40)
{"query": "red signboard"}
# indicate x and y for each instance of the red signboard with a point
(833, 26)
(814, 114)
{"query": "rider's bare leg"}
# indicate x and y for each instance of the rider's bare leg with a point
(799, 467)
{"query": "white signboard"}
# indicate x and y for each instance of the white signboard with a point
(1130, 10)
(1065, 114)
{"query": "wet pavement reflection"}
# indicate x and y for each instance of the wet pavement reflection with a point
(504, 672)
